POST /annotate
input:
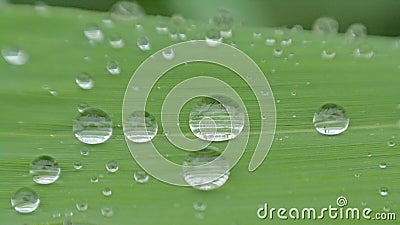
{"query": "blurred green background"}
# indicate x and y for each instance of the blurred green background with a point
(381, 17)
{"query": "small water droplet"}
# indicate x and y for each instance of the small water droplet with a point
(356, 30)
(140, 127)
(112, 166)
(68, 213)
(108, 22)
(14, 55)
(107, 211)
(93, 33)
(257, 35)
(200, 206)
(116, 41)
(223, 21)
(113, 67)
(92, 126)
(286, 42)
(382, 165)
(391, 143)
(357, 175)
(328, 54)
(162, 27)
(25, 200)
(77, 165)
(168, 53)
(84, 81)
(277, 52)
(53, 92)
(94, 179)
(216, 119)
(293, 92)
(331, 119)
(369, 154)
(270, 41)
(140, 176)
(82, 107)
(325, 26)
(213, 37)
(106, 191)
(44, 169)
(84, 151)
(81, 205)
(126, 10)
(200, 173)
(143, 43)
(363, 52)
(383, 191)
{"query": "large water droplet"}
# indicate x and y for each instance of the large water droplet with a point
(14, 55)
(223, 21)
(356, 30)
(113, 67)
(331, 119)
(126, 10)
(200, 174)
(140, 127)
(325, 26)
(383, 191)
(92, 126)
(84, 81)
(25, 200)
(112, 166)
(44, 169)
(107, 211)
(213, 37)
(213, 120)
(140, 176)
(143, 43)
(93, 33)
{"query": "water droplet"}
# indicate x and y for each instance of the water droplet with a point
(25, 200)
(84, 151)
(296, 28)
(113, 67)
(108, 22)
(14, 55)
(140, 127)
(116, 41)
(93, 33)
(213, 37)
(56, 215)
(278, 52)
(325, 26)
(82, 205)
(82, 107)
(223, 21)
(391, 143)
(286, 42)
(168, 53)
(270, 41)
(328, 54)
(356, 30)
(107, 211)
(331, 119)
(162, 27)
(126, 10)
(383, 191)
(44, 169)
(143, 43)
(363, 52)
(53, 92)
(77, 165)
(84, 81)
(112, 166)
(107, 191)
(140, 176)
(369, 154)
(382, 165)
(216, 120)
(92, 126)
(94, 179)
(200, 206)
(200, 173)
(293, 92)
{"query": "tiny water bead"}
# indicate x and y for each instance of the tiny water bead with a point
(277, 52)
(363, 52)
(92, 126)
(106, 191)
(82, 107)
(94, 179)
(84, 81)
(325, 26)
(44, 169)
(331, 119)
(14, 55)
(270, 41)
(168, 53)
(213, 37)
(383, 191)
(382, 165)
(82, 205)
(77, 165)
(213, 120)
(25, 200)
(140, 127)
(107, 211)
(112, 166)
(84, 151)
(328, 54)
(93, 33)
(113, 67)
(143, 43)
(126, 10)
(200, 174)
(116, 41)
(140, 176)
(200, 206)
(356, 30)
(391, 143)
